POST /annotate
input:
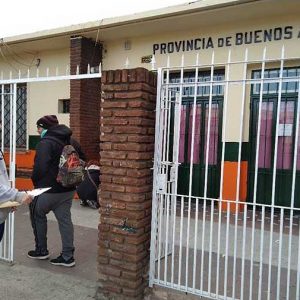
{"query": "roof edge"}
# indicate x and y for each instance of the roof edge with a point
(171, 11)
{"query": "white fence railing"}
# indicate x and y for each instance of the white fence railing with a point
(7, 244)
(226, 196)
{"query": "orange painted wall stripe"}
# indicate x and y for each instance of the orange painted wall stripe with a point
(24, 184)
(23, 159)
(230, 184)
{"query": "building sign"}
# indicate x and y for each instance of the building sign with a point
(237, 39)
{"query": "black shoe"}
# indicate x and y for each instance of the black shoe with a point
(83, 203)
(93, 204)
(38, 254)
(60, 261)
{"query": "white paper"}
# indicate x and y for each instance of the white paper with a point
(37, 192)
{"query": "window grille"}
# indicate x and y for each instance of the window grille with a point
(20, 117)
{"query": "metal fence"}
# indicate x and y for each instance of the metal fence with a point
(226, 204)
(13, 108)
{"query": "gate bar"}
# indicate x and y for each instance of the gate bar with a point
(293, 196)
(239, 169)
(274, 171)
(155, 173)
(190, 183)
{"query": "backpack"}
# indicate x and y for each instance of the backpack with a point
(71, 169)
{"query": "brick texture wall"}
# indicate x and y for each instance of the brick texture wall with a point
(85, 95)
(127, 149)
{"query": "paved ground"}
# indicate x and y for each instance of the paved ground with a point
(36, 280)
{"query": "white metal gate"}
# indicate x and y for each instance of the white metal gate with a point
(204, 242)
(10, 96)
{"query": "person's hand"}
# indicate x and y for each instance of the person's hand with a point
(27, 199)
(13, 209)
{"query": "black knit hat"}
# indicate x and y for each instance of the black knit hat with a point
(47, 121)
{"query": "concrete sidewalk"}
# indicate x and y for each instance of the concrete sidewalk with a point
(36, 280)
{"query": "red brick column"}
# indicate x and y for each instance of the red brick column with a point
(127, 150)
(85, 95)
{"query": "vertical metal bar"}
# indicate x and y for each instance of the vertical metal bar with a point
(173, 243)
(191, 175)
(279, 254)
(274, 171)
(222, 168)
(13, 170)
(293, 193)
(161, 207)
(256, 167)
(164, 124)
(243, 251)
(14, 135)
(195, 243)
(252, 250)
(261, 254)
(177, 118)
(208, 122)
(197, 199)
(180, 240)
(155, 178)
(167, 237)
(206, 162)
(258, 125)
(224, 125)
(2, 116)
(298, 268)
(11, 131)
(212, 205)
(226, 250)
(168, 98)
(239, 171)
(203, 244)
(219, 247)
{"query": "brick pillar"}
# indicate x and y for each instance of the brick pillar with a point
(127, 150)
(85, 95)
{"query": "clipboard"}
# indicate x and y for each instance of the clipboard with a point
(8, 204)
(33, 193)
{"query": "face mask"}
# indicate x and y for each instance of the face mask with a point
(43, 133)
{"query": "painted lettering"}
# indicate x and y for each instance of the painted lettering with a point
(288, 32)
(178, 45)
(278, 34)
(257, 36)
(170, 47)
(220, 42)
(238, 39)
(228, 41)
(190, 45)
(210, 43)
(163, 47)
(155, 48)
(197, 44)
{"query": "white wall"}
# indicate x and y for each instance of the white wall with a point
(42, 97)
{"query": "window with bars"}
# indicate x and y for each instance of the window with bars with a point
(188, 89)
(21, 116)
(273, 87)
